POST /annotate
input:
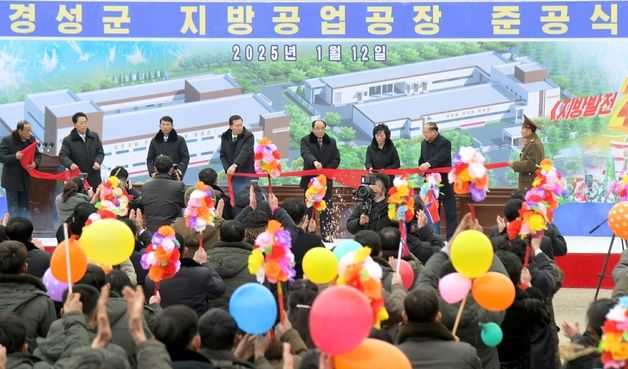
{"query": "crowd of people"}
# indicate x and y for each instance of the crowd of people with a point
(118, 318)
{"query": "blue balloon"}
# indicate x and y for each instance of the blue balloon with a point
(346, 247)
(254, 308)
(491, 334)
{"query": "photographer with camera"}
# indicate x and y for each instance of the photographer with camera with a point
(372, 210)
(162, 197)
(167, 142)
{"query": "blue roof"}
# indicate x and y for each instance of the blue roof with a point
(483, 61)
(416, 106)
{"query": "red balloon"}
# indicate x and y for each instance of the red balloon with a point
(78, 262)
(407, 273)
(340, 318)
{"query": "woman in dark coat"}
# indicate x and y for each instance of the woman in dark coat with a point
(381, 153)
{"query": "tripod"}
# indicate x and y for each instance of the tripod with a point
(602, 273)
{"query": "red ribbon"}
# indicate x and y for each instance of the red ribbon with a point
(348, 177)
(29, 156)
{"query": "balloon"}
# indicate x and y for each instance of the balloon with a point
(373, 354)
(54, 288)
(346, 247)
(320, 265)
(491, 334)
(618, 219)
(407, 273)
(108, 241)
(340, 318)
(471, 253)
(78, 262)
(454, 287)
(493, 291)
(254, 308)
(105, 267)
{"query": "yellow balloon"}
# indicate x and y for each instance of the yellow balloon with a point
(320, 265)
(108, 241)
(471, 253)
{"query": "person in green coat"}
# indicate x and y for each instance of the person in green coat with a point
(530, 157)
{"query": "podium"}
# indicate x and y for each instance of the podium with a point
(42, 195)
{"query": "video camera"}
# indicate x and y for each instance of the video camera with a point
(365, 193)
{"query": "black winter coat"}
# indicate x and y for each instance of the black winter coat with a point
(83, 153)
(438, 154)
(239, 152)
(378, 218)
(175, 148)
(162, 201)
(14, 177)
(193, 286)
(522, 317)
(301, 244)
(384, 158)
(328, 155)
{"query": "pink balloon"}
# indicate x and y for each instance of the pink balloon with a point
(54, 287)
(454, 287)
(407, 273)
(340, 318)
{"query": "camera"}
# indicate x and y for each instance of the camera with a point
(176, 172)
(365, 193)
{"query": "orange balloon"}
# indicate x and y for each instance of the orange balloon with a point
(618, 219)
(373, 354)
(78, 262)
(493, 291)
(105, 267)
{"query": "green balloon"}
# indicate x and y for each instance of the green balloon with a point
(491, 334)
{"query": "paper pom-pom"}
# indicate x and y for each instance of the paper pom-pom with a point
(162, 255)
(359, 271)
(533, 216)
(614, 342)
(113, 198)
(469, 175)
(267, 158)
(315, 193)
(548, 180)
(272, 257)
(200, 211)
(401, 200)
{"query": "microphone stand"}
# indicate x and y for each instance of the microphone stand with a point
(602, 273)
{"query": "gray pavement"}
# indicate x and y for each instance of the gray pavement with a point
(570, 304)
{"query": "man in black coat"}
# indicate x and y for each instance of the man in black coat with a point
(15, 179)
(377, 217)
(162, 197)
(21, 229)
(236, 152)
(168, 142)
(305, 239)
(436, 153)
(82, 149)
(194, 285)
(318, 151)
